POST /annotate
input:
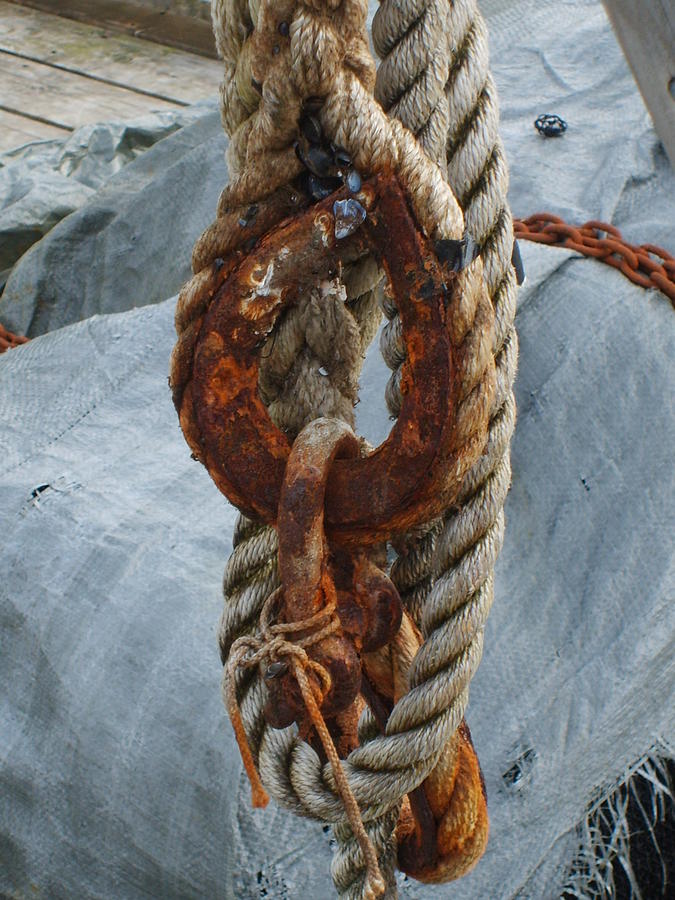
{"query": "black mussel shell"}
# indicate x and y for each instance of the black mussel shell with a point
(353, 181)
(341, 156)
(311, 129)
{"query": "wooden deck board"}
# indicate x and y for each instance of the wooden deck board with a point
(130, 62)
(184, 32)
(17, 130)
(58, 74)
(646, 32)
(65, 99)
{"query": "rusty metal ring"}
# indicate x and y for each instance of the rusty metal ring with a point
(406, 479)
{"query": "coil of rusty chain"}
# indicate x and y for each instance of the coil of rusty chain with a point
(645, 264)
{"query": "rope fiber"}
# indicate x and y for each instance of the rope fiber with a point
(440, 139)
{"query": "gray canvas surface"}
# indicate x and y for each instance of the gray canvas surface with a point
(119, 775)
(44, 181)
(125, 246)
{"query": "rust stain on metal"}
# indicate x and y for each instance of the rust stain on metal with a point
(9, 340)
(403, 481)
(332, 504)
(447, 832)
(443, 826)
(367, 604)
(646, 265)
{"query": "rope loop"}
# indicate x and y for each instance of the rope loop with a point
(440, 142)
(274, 647)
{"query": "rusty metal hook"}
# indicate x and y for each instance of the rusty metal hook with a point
(407, 479)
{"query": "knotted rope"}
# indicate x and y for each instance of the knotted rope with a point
(274, 646)
(271, 646)
(299, 51)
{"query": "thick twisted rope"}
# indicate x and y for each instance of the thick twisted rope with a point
(386, 767)
(477, 173)
(434, 77)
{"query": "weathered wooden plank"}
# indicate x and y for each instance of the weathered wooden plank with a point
(65, 99)
(124, 60)
(184, 32)
(200, 9)
(16, 130)
(646, 32)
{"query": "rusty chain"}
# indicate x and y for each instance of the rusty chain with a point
(646, 265)
(449, 367)
(8, 340)
(333, 501)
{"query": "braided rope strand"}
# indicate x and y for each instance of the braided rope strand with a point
(385, 768)
(445, 574)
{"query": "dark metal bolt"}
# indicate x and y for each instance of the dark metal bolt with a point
(275, 669)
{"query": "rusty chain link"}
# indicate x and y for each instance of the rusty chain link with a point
(8, 340)
(646, 265)
(333, 501)
(449, 377)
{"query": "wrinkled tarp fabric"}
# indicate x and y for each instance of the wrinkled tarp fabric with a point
(129, 245)
(44, 181)
(119, 775)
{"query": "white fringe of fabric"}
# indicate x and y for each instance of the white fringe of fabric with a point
(605, 836)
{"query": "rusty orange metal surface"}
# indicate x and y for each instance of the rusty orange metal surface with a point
(443, 826)
(9, 340)
(314, 577)
(402, 481)
(447, 830)
(332, 503)
(646, 265)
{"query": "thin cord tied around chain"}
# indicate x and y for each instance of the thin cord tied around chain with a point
(274, 646)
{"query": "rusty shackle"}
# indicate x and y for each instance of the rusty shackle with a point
(332, 500)
(410, 476)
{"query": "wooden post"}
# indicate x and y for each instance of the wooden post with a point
(646, 32)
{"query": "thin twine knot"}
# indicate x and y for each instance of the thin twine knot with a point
(271, 646)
